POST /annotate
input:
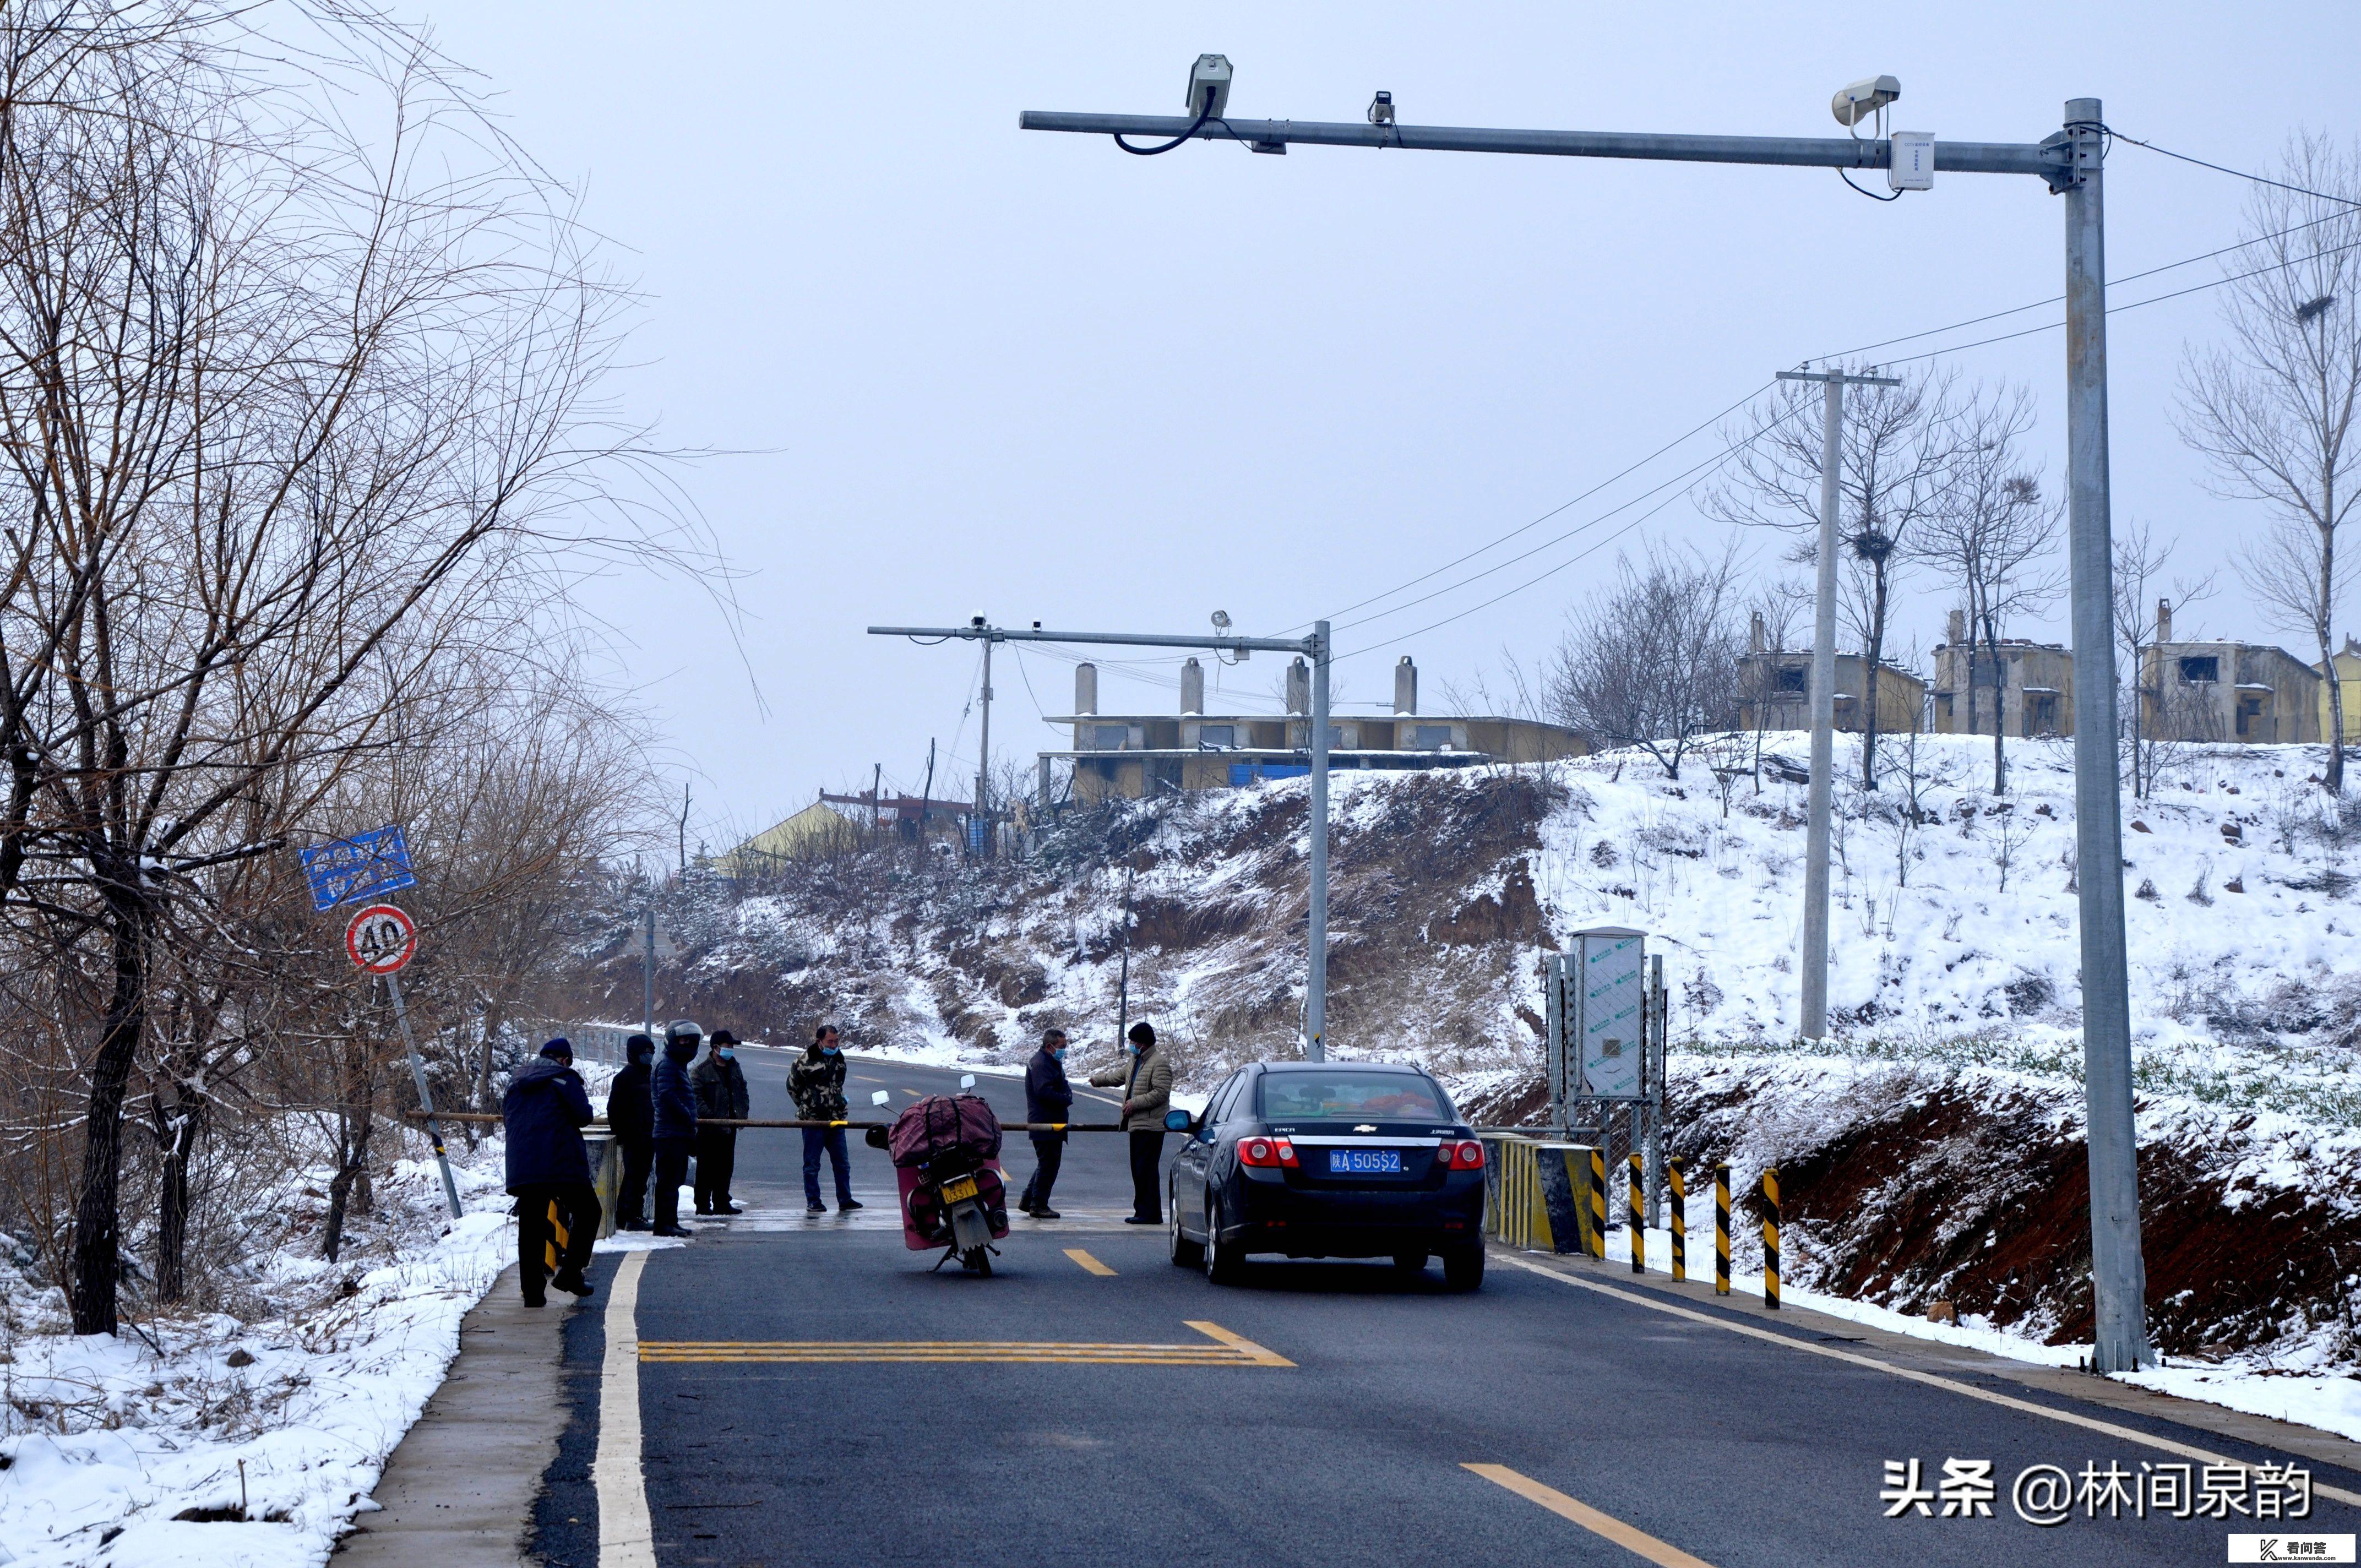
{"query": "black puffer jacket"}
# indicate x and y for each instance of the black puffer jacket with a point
(544, 1113)
(631, 1110)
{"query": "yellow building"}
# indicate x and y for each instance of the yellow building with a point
(817, 829)
(2349, 676)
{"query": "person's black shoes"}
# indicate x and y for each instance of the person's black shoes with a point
(570, 1280)
(1042, 1212)
(1024, 1205)
(728, 1209)
(632, 1226)
(1143, 1219)
(815, 1208)
(844, 1203)
(536, 1301)
(673, 1230)
(702, 1210)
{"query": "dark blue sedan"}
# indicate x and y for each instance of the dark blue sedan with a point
(1328, 1159)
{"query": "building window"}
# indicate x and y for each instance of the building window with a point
(1109, 737)
(1792, 678)
(2202, 669)
(1431, 737)
(1222, 735)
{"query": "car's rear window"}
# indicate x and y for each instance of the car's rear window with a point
(1350, 1096)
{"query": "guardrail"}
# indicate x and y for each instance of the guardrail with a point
(599, 1125)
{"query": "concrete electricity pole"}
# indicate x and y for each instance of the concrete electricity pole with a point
(2069, 162)
(1314, 647)
(983, 749)
(1815, 956)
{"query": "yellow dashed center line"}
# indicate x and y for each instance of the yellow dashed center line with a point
(1089, 1263)
(1603, 1525)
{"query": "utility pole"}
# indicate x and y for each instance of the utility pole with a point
(1815, 957)
(926, 790)
(2069, 162)
(683, 825)
(984, 750)
(648, 976)
(1315, 648)
(2118, 1274)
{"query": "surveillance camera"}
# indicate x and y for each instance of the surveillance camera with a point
(1381, 109)
(1857, 101)
(1208, 86)
(976, 621)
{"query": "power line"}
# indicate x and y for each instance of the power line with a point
(1685, 474)
(1536, 522)
(2236, 173)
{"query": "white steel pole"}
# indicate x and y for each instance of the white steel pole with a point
(1814, 958)
(1315, 974)
(2118, 1277)
(426, 1097)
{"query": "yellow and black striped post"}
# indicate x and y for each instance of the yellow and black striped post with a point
(1637, 1219)
(1678, 1182)
(555, 1247)
(1721, 1229)
(1770, 1238)
(1598, 1203)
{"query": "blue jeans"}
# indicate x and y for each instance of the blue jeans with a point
(832, 1140)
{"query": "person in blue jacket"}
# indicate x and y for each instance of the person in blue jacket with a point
(1047, 1098)
(675, 1121)
(543, 1114)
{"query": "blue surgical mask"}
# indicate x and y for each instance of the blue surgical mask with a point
(1131, 1050)
(725, 1053)
(832, 1051)
(1058, 1055)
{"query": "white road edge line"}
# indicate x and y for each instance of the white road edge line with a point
(2091, 1423)
(626, 1538)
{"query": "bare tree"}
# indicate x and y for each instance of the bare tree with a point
(1896, 450)
(2139, 585)
(1653, 661)
(2272, 407)
(1993, 533)
(292, 412)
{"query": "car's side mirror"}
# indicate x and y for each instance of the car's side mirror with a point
(1178, 1121)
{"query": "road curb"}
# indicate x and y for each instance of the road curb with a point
(458, 1492)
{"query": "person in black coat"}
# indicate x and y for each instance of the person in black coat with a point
(1047, 1098)
(631, 1118)
(720, 1086)
(543, 1114)
(675, 1102)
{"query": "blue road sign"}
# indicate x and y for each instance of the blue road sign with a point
(367, 865)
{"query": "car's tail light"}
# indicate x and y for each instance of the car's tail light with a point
(1465, 1153)
(1268, 1152)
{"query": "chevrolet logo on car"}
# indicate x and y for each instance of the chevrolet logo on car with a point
(1366, 1128)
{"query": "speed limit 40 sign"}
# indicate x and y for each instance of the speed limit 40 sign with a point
(382, 938)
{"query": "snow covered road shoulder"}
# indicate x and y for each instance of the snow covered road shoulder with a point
(127, 1450)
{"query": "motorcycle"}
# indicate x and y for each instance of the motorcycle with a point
(945, 1155)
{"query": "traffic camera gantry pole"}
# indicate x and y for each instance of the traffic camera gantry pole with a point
(2068, 161)
(1314, 647)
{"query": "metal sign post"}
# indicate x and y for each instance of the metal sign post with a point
(379, 940)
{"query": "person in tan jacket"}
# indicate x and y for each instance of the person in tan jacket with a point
(1147, 1081)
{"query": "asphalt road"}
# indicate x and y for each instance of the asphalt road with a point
(1319, 1414)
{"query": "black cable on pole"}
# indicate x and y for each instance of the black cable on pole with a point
(1202, 115)
(1873, 195)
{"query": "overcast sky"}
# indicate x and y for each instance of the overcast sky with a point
(973, 369)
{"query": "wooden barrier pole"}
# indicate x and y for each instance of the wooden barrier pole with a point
(1637, 1219)
(1770, 1238)
(1676, 1177)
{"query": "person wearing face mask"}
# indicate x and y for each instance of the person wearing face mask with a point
(817, 1082)
(1146, 1080)
(675, 1121)
(1047, 1098)
(630, 1117)
(721, 1085)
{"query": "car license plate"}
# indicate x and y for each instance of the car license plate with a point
(954, 1192)
(1364, 1162)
